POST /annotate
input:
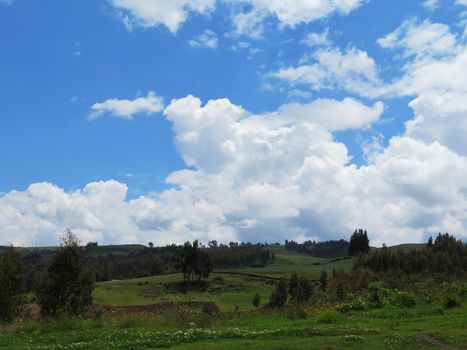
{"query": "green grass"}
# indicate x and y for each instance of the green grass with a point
(227, 288)
(227, 291)
(423, 327)
(287, 263)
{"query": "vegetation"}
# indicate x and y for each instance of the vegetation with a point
(11, 300)
(67, 287)
(359, 243)
(326, 249)
(386, 298)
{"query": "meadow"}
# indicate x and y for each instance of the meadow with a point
(230, 289)
(161, 312)
(421, 327)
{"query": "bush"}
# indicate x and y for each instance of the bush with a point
(354, 304)
(452, 301)
(403, 299)
(377, 294)
(329, 317)
(256, 300)
(278, 297)
(297, 313)
(210, 308)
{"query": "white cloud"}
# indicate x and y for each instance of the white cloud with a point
(261, 177)
(151, 13)
(461, 2)
(317, 39)
(421, 40)
(206, 40)
(7, 2)
(128, 108)
(431, 4)
(331, 114)
(352, 70)
(288, 14)
(173, 13)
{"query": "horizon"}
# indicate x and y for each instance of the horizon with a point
(130, 121)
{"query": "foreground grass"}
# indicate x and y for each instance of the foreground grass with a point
(422, 327)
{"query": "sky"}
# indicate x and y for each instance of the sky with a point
(131, 121)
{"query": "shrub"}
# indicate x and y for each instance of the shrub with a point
(377, 294)
(256, 300)
(403, 299)
(354, 304)
(297, 313)
(278, 297)
(452, 301)
(210, 308)
(329, 317)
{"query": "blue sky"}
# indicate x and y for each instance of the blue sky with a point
(76, 80)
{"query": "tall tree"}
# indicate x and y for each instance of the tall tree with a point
(67, 287)
(193, 262)
(359, 243)
(11, 278)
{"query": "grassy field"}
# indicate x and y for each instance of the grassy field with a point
(229, 289)
(421, 327)
(238, 325)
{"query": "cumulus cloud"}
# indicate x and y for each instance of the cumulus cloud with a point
(150, 13)
(173, 13)
(208, 39)
(421, 39)
(331, 68)
(127, 109)
(288, 15)
(261, 177)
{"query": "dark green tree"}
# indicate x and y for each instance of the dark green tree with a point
(300, 289)
(11, 278)
(193, 262)
(278, 297)
(67, 287)
(359, 243)
(256, 300)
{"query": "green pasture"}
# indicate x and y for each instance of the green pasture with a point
(229, 289)
(421, 327)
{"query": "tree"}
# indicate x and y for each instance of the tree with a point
(193, 262)
(323, 280)
(278, 297)
(256, 300)
(305, 290)
(11, 278)
(67, 287)
(359, 243)
(293, 288)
